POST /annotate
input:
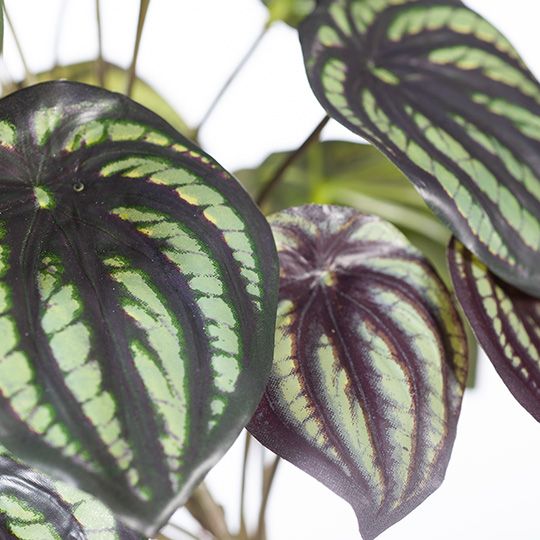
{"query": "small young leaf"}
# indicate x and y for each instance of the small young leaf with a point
(34, 507)
(138, 291)
(369, 364)
(447, 98)
(506, 322)
(291, 12)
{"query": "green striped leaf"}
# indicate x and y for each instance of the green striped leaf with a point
(357, 175)
(506, 322)
(370, 363)
(446, 97)
(291, 12)
(35, 507)
(138, 288)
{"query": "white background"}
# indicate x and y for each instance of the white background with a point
(189, 48)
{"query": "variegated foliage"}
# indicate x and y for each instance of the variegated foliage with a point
(138, 285)
(506, 322)
(34, 507)
(447, 98)
(369, 365)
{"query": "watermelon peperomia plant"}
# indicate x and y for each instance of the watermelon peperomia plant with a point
(143, 319)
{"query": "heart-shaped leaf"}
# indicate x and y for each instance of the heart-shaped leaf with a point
(369, 365)
(34, 507)
(357, 175)
(138, 288)
(446, 97)
(506, 322)
(291, 12)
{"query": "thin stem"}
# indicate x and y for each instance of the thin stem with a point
(100, 64)
(289, 160)
(231, 78)
(140, 27)
(202, 506)
(58, 33)
(28, 75)
(269, 476)
(243, 528)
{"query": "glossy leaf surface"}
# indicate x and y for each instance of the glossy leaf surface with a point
(506, 322)
(358, 175)
(138, 285)
(369, 365)
(34, 507)
(446, 97)
(291, 12)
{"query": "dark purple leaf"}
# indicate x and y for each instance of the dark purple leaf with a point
(506, 322)
(447, 98)
(138, 286)
(369, 366)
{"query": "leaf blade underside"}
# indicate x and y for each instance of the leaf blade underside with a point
(506, 322)
(369, 367)
(138, 286)
(447, 98)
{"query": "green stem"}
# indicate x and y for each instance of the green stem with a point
(243, 529)
(202, 506)
(231, 79)
(100, 64)
(289, 160)
(143, 10)
(269, 475)
(28, 75)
